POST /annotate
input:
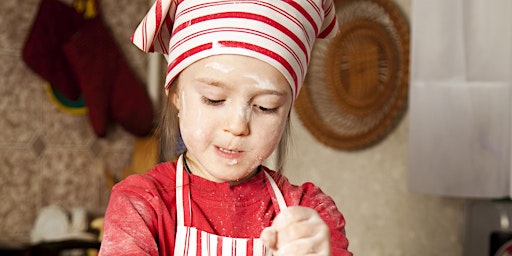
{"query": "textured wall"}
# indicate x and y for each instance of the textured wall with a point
(48, 156)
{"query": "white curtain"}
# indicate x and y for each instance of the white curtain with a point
(460, 98)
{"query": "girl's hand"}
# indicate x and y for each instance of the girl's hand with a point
(298, 230)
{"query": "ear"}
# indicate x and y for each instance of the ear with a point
(173, 96)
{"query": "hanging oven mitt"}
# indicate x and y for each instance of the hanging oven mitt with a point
(111, 90)
(54, 24)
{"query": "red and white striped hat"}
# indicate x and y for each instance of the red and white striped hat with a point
(279, 32)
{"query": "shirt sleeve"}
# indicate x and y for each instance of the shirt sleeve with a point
(129, 228)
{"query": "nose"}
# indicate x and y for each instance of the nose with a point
(238, 123)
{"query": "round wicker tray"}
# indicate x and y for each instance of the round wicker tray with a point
(356, 88)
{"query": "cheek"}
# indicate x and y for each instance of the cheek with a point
(195, 123)
(192, 135)
(271, 134)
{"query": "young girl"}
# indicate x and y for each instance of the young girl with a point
(235, 68)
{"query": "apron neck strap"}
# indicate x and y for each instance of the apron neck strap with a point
(277, 192)
(180, 191)
(183, 192)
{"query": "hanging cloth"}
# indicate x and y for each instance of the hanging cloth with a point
(192, 241)
(460, 98)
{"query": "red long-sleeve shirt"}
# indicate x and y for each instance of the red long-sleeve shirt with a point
(141, 214)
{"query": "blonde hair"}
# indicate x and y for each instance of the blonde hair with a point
(168, 132)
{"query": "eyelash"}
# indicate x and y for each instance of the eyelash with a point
(266, 110)
(211, 102)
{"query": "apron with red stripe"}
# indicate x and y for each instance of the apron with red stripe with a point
(192, 242)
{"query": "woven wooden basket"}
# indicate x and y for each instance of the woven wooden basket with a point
(357, 84)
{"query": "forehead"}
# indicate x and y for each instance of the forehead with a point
(230, 68)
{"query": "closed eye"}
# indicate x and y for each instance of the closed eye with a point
(266, 110)
(211, 102)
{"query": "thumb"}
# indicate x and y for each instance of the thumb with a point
(269, 237)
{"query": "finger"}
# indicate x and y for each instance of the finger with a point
(300, 223)
(269, 238)
(308, 229)
(297, 222)
(294, 231)
(292, 214)
(304, 246)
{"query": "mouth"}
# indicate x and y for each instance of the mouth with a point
(229, 153)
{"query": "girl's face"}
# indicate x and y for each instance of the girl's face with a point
(232, 112)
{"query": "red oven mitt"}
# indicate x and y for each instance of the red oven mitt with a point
(53, 25)
(111, 90)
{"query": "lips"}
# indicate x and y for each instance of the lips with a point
(229, 153)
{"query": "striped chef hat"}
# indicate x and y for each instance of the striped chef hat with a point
(279, 32)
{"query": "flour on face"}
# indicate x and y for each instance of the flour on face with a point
(219, 67)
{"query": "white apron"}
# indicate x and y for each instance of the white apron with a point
(191, 241)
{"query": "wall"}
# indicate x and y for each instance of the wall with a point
(48, 156)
